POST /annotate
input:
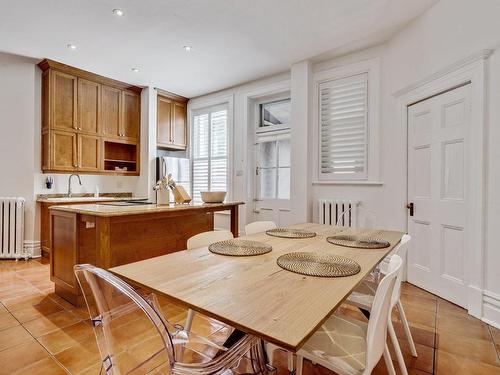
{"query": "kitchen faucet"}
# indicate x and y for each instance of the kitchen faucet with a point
(70, 193)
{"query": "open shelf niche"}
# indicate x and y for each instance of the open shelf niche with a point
(120, 157)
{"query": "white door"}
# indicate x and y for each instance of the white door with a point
(272, 182)
(437, 172)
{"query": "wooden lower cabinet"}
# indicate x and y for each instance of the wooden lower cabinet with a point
(45, 221)
(113, 241)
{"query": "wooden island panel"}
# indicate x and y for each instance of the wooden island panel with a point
(100, 235)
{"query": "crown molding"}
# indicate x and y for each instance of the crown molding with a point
(479, 56)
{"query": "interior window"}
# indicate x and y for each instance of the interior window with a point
(210, 151)
(275, 114)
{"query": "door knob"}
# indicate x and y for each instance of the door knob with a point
(410, 207)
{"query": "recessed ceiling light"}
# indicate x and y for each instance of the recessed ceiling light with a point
(71, 46)
(135, 70)
(187, 48)
(118, 12)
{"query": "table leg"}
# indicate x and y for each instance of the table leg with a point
(234, 220)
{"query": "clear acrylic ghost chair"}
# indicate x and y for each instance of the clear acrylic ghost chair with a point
(363, 296)
(349, 346)
(203, 240)
(133, 337)
(258, 227)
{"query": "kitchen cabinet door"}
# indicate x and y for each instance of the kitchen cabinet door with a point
(64, 101)
(179, 125)
(89, 98)
(63, 156)
(164, 121)
(131, 115)
(110, 111)
(89, 153)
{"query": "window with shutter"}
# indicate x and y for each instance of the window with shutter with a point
(209, 153)
(343, 128)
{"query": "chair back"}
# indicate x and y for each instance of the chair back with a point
(259, 226)
(130, 334)
(206, 238)
(381, 308)
(400, 250)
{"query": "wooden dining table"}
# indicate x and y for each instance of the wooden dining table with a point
(255, 295)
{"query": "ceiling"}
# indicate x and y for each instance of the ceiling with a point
(233, 41)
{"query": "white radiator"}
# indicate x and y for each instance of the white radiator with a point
(331, 210)
(12, 227)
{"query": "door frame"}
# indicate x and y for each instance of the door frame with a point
(472, 69)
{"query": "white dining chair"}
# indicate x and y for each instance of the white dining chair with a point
(349, 346)
(204, 239)
(363, 297)
(259, 226)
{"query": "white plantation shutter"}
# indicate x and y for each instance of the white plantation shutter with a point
(343, 118)
(210, 150)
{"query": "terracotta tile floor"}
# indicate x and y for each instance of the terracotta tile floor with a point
(42, 334)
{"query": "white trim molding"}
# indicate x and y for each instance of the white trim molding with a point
(473, 70)
(491, 308)
(213, 101)
(372, 68)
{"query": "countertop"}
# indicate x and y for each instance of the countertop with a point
(107, 210)
(63, 198)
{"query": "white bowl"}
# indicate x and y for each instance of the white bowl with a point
(213, 196)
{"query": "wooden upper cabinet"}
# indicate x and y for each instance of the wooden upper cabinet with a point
(164, 121)
(131, 115)
(63, 151)
(110, 111)
(64, 101)
(179, 125)
(171, 122)
(89, 153)
(89, 98)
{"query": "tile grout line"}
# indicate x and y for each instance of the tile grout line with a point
(36, 340)
(434, 360)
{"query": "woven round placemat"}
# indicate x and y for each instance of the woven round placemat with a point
(360, 242)
(239, 248)
(290, 233)
(323, 265)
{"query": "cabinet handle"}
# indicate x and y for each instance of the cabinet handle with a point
(75, 165)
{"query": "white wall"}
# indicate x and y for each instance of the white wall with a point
(450, 31)
(20, 122)
(18, 78)
(241, 178)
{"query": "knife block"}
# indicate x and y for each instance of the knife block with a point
(180, 195)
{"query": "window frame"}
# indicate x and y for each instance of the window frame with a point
(210, 107)
(372, 69)
(275, 136)
(272, 128)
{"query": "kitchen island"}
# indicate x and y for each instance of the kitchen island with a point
(108, 235)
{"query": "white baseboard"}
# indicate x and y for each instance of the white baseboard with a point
(491, 308)
(475, 301)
